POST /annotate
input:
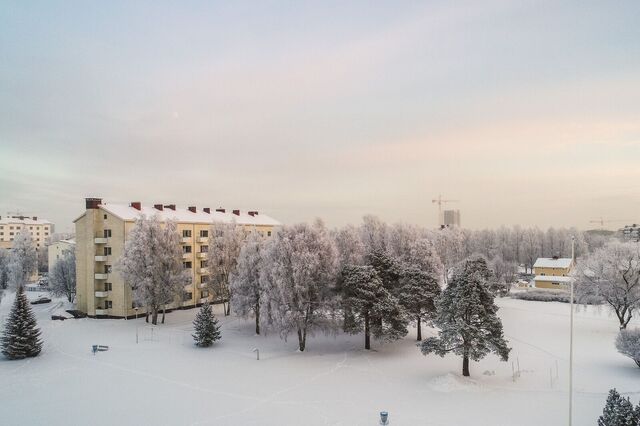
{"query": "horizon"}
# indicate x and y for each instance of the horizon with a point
(325, 110)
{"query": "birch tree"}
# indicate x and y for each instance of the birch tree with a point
(23, 261)
(225, 242)
(62, 277)
(244, 283)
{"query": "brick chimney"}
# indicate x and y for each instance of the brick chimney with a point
(236, 212)
(253, 213)
(93, 203)
(157, 207)
(35, 218)
(192, 209)
(170, 206)
(220, 209)
(207, 210)
(136, 205)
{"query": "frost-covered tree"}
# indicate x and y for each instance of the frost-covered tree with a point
(225, 242)
(418, 290)
(618, 411)
(628, 344)
(467, 317)
(62, 277)
(21, 336)
(612, 274)
(299, 276)
(449, 244)
(351, 249)
(504, 273)
(151, 264)
(4, 268)
(244, 282)
(205, 326)
(369, 307)
(24, 259)
(374, 234)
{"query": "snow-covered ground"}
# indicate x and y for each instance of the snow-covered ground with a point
(165, 380)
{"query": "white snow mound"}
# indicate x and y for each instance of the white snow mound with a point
(451, 382)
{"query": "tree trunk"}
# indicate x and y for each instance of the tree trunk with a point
(146, 318)
(258, 319)
(154, 318)
(419, 337)
(302, 339)
(465, 365)
(367, 337)
(164, 310)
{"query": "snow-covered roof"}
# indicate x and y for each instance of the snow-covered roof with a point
(550, 262)
(23, 220)
(129, 213)
(552, 278)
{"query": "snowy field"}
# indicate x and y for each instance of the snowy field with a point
(165, 380)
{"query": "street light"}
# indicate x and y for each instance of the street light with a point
(573, 242)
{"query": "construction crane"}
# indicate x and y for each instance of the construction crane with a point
(602, 221)
(440, 201)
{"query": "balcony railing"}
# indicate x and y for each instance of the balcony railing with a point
(202, 255)
(187, 255)
(101, 276)
(203, 239)
(203, 271)
(100, 240)
(188, 287)
(185, 240)
(102, 293)
(202, 285)
(99, 258)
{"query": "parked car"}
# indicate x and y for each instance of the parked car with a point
(76, 314)
(58, 317)
(40, 300)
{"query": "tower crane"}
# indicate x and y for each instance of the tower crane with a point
(601, 221)
(440, 201)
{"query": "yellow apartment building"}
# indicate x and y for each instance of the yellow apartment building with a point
(10, 225)
(553, 272)
(101, 232)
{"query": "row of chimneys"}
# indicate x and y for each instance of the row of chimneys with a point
(93, 203)
(21, 217)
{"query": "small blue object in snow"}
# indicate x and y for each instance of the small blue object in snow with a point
(384, 418)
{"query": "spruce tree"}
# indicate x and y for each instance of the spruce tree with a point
(206, 327)
(21, 336)
(418, 292)
(618, 411)
(467, 318)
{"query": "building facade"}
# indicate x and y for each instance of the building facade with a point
(631, 233)
(58, 249)
(451, 218)
(11, 225)
(101, 233)
(553, 272)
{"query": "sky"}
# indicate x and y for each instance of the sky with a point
(527, 112)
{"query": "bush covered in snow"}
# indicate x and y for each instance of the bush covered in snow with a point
(628, 344)
(542, 296)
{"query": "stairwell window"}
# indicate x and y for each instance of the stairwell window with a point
(107, 233)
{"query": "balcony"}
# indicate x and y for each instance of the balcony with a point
(101, 311)
(187, 256)
(102, 293)
(203, 239)
(101, 276)
(202, 285)
(100, 258)
(202, 255)
(203, 271)
(185, 240)
(100, 240)
(188, 287)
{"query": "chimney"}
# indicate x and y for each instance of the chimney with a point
(192, 209)
(170, 206)
(207, 210)
(253, 213)
(93, 203)
(157, 207)
(236, 212)
(220, 209)
(35, 218)
(136, 205)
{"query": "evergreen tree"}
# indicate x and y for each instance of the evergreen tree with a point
(206, 327)
(368, 306)
(618, 411)
(21, 337)
(418, 292)
(467, 318)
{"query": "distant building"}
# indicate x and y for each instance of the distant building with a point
(553, 272)
(631, 232)
(451, 217)
(101, 233)
(58, 249)
(39, 229)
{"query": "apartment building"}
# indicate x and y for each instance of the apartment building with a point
(11, 225)
(57, 250)
(553, 272)
(101, 233)
(451, 218)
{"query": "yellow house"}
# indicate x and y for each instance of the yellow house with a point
(101, 232)
(552, 272)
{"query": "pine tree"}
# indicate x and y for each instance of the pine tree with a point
(418, 292)
(618, 411)
(206, 327)
(21, 337)
(467, 318)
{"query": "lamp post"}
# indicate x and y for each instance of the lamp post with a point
(573, 241)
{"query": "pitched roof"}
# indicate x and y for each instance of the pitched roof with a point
(552, 278)
(23, 220)
(549, 262)
(129, 213)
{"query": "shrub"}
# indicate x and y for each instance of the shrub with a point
(628, 344)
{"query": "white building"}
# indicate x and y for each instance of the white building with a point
(58, 249)
(451, 217)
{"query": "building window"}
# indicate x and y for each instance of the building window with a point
(203, 279)
(107, 233)
(204, 294)
(10, 233)
(107, 287)
(105, 217)
(107, 269)
(203, 263)
(107, 251)
(204, 249)
(186, 233)
(186, 265)
(31, 227)
(204, 233)
(187, 296)
(186, 249)
(268, 233)
(109, 304)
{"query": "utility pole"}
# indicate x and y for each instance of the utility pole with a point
(573, 242)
